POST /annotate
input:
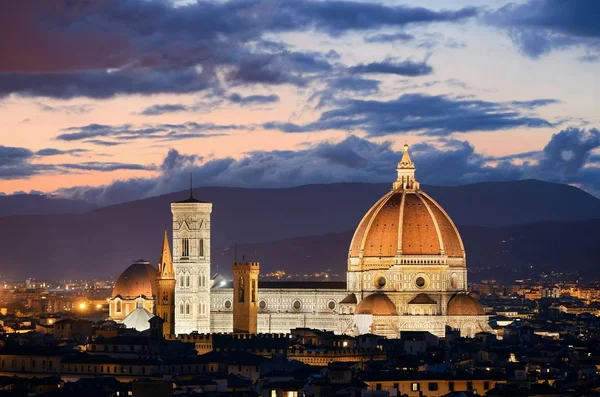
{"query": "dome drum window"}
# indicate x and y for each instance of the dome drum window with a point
(421, 281)
(297, 305)
(227, 304)
(380, 282)
(331, 305)
(262, 305)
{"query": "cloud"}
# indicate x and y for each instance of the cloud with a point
(354, 159)
(338, 17)
(17, 163)
(56, 152)
(103, 49)
(538, 27)
(157, 110)
(127, 132)
(391, 66)
(101, 142)
(105, 167)
(390, 38)
(420, 113)
(354, 84)
(66, 109)
(105, 84)
(253, 99)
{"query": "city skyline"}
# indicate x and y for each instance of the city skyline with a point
(111, 101)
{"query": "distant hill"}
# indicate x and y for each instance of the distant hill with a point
(19, 204)
(104, 241)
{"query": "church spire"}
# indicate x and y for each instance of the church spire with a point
(406, 173)
(165, 266)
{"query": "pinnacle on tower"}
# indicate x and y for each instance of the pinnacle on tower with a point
(406, 173)
(406, 162)
(165, 265)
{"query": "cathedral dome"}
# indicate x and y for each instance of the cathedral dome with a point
(378, 305)
(139, 279)
(405, 225)
(464, 305)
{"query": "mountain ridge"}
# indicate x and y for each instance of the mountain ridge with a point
(103, 241)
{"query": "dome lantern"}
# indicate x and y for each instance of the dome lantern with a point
(406, 173)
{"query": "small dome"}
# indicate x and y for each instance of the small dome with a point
(377, 305)
(139, 279)
(464, 305)
(138, 319)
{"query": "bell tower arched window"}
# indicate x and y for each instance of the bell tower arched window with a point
(185, 247)
(201, 247)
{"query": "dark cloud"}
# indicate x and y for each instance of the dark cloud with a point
(105, 166)
(157, 110)
(253, 99)
(391, 66)
(121, 47)
(106, 84)
(390, 38)
(338, 17)
(446, 162)
(101, 142)
(354, 84)
(56, 152)
(426, 114)
(126, 132)
(540, 26)
(285, 67)
(17, 163)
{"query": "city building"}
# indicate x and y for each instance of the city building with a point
(406, 272)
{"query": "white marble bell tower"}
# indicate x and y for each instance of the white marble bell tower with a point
(191, 260)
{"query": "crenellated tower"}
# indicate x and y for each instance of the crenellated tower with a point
(245, 297)
(165, 289)
(191, 259)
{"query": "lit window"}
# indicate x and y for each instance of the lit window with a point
(119, 308)
(414, 386)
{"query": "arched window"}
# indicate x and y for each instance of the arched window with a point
(201, 247)
(253, 291)
(181, 281)
(119, 308)
(165, 298)
(241, 290)
(185, 247)
(187, 308)
(181, 308)
(187, 280)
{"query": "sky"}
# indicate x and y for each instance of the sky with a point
(116, 100)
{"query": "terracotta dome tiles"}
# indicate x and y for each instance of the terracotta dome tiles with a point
(421, 224)
(419, 236)
(359, 235)
(382, 237)
(452, 244)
